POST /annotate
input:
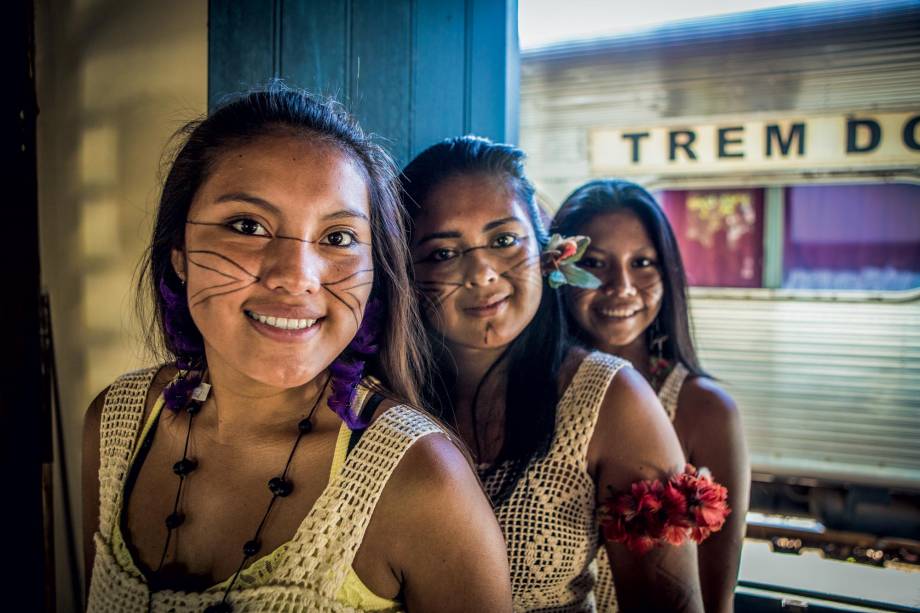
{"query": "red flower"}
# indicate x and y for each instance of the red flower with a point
(569, 247)
(689, 505)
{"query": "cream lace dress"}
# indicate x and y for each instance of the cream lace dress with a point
(315, 564)
(550, 519)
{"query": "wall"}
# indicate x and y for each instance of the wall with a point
(115, 80)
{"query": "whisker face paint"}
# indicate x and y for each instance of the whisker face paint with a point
(477, 262)
(278, 291)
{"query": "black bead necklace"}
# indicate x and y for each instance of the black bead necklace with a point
(280, 487)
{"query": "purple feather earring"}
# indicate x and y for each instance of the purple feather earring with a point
(184, 340)
(348, 368)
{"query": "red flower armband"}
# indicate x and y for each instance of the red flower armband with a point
(688, 506)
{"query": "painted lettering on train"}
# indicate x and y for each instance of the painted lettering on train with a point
(774, 135)
(777, 140)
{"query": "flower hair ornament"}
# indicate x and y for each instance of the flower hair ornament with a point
(559, 260)
(348, 368)
(688, 506)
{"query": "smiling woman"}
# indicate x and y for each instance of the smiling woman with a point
(552, 427)
(215, 483)
(639, 312)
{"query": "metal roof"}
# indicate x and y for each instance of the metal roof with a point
(783, 21)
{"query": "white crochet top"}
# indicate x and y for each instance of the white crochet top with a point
(316, 560)
(550, 519)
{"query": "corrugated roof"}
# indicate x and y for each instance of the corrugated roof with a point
(760, 23)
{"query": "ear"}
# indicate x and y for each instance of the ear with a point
(177, 258)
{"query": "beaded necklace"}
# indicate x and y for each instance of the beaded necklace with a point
(280, 486)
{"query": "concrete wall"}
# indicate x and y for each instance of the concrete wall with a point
(115, 80)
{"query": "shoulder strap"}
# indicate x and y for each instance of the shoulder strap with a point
(670, 389)
(118, 429)
(576, 415)
(324, 550)
(367, 412)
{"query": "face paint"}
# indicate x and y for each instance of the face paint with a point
(477, 263)
(278, 259)
(623, 257)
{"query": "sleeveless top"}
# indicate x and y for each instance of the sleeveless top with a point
(550, 518)
(668, 395)
(310, 572)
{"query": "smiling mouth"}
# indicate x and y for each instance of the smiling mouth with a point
(489, 308)
(619, 313)
(281, 323)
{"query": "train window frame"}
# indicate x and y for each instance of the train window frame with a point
(773, 236)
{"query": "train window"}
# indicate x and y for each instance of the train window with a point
(852, 237)
(720, 233)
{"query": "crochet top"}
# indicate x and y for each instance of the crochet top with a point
(311, 572)
(670, 389)
(668, 395)
(550, 518)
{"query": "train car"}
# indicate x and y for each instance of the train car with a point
(784, 145)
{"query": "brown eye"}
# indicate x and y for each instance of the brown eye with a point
(503, 241)
(441, 255)
(643, 262)
(340, 238)
(249, 227)
(587, 262)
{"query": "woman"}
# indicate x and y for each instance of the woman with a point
(639, 312)
(277, 268)
(553, 428)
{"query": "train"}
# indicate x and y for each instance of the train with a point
(784, 145)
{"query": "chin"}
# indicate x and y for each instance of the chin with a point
(286, 376)
(615, 342)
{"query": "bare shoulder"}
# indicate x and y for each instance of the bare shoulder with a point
(705, 410)
(434, 502)
(633, 438)
(629, 405)
(434, 461)
(707, 399)
(707, 414)
(435, 469)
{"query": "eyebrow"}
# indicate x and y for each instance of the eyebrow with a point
(455, 234)
(249, 198)
(347, 213)
(436, 235)
(605, 252)
(500, 222)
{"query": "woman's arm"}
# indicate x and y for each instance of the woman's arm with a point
(449, 551)
(634, 440)
(90, 484)
(709, 423)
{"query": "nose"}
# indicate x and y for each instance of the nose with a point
(619, 282)
(479, 269)
(292, 266)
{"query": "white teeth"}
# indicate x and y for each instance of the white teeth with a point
(282, 323)
(618, 312)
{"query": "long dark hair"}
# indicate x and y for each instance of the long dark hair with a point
(612, 195)
(278, 110)
(534, 358)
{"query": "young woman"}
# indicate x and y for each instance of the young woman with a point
(639, 312)
(224, 482)
(553, 428)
